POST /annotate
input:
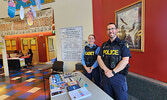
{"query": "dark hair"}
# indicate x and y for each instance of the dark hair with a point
(92, 35)
(15, 51)
(114, 24)
(30, 51)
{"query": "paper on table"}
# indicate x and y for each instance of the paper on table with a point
(79, 93)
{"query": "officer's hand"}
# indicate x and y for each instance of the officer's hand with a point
(88, 69)
(92, 67)
(109, 73)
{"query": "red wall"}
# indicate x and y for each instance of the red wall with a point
(151, 62)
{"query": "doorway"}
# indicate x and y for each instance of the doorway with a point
(30, 43)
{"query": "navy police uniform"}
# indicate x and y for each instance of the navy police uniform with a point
(89, 58)
(111, 54)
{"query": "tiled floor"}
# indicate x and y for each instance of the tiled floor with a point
(26, 84)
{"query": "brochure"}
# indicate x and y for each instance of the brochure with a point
(79, 93)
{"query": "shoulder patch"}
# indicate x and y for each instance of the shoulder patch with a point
(126, 44)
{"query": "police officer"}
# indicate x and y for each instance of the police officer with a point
(89, 60)
(113, 59)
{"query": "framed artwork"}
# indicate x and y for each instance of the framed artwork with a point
(130, 21)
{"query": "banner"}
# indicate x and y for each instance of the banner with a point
(27, 3)
(42, 23)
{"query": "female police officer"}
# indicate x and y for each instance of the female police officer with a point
(113, 58)
(89, 60)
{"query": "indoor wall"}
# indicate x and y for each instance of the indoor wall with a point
(152, 62)
(71, 13)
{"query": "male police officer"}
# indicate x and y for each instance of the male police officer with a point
(113, 58)
(89, 60)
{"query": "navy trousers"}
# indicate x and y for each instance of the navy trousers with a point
(94, 74)
(116, 86)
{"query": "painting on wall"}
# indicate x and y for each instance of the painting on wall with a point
(130, 21)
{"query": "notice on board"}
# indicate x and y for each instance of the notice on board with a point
(71, 43)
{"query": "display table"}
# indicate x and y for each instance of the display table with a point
(14, 63)
(96, 92)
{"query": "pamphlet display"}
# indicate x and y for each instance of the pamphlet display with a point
(58, 85)
(70, 83)
(79, 93)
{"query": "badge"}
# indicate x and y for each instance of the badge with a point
(126, 44)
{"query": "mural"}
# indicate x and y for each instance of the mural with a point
(27, 3)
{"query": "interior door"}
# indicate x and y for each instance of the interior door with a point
(42, 49)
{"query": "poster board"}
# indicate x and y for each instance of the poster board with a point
(71, 43)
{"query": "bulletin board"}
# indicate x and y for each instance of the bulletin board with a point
(71, 43)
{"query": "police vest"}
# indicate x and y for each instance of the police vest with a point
(90, 57)
(111, 55)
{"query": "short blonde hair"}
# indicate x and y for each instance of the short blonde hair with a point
(92, 35)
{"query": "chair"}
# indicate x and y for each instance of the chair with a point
(79, 67)
(1, 68)
(28, 61)
(57, 67)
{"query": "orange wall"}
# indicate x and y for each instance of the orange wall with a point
(151, 62)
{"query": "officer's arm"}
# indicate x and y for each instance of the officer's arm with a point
(82, 58)
(121, 65)
(101, 63)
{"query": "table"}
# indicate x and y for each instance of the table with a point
(97, 93)
(14, 63)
